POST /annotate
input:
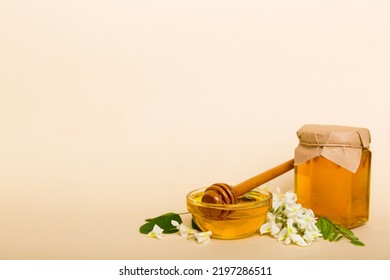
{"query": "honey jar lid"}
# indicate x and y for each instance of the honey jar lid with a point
(340, 144)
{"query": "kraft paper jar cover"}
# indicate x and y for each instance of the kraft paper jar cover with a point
(340, 144)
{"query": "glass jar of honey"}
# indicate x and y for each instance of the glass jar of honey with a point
(332, 172)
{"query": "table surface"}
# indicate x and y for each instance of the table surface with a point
(106, 227)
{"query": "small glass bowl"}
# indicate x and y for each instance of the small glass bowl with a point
(230, 221)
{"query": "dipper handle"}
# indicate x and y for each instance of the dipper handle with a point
(221, 193)
(264, 177)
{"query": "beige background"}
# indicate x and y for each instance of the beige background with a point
(112, 111)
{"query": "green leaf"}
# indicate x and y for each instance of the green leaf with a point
(351, 237)
(347, 233)
(163, 221)
(328, 231)
(194, 225)
(334, 232)
(339, 237)
(326, 227)
(357, 243)
(321, 225)
(344, 230)
(334, 236)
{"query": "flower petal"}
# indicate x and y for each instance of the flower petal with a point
(265, 228)
(185, 231)
(275, 229)
(282, 234)
(157, 232)
(290, 198)
(203, 237)
(297, 239)
(175, 223)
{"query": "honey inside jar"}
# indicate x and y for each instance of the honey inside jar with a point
(238, 221)
(333, 191)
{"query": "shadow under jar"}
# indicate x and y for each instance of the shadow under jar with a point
(332, 172)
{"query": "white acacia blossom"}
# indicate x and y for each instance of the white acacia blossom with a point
(288, 221)
(156, 232)
(183, 229)
(187, 232)
(203, 237)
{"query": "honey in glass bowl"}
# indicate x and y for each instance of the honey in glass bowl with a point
(238, 220)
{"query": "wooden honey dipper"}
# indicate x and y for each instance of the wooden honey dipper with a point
(221, 193)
